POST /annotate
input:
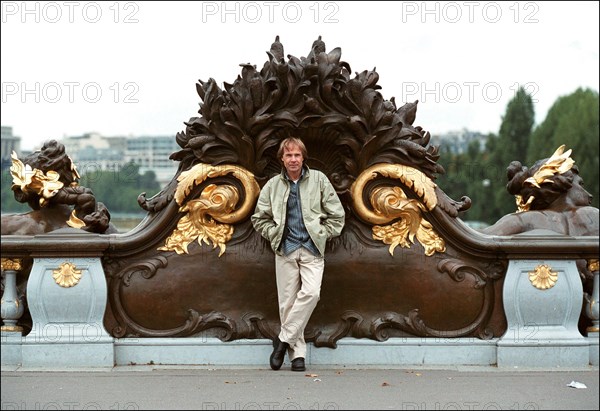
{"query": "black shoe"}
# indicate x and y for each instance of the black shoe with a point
(298, 364)
(278, 354)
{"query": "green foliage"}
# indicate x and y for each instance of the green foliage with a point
(572, 120)
(9, 204)
(511, 145)
(117, 190)
(515, 129)
(481, 174)
(470, 173)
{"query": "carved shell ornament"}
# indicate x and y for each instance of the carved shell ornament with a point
(209, 218)
(67, 275)
(542, 277)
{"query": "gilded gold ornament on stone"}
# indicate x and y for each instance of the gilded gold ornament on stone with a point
(11, 264)
(592, 265)
(542, 277)
(11, 328)
(67, 275)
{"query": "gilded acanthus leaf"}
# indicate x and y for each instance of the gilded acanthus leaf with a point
(559, 163)
(34, 180)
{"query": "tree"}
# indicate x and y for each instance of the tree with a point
(572, 120)
(511, 145)
(9, 204)
(119, 190)
(466, 174)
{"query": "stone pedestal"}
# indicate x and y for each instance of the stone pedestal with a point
(12, 309)
(594, 348)
(67, 299)
(11, 306)
(591, 310)
(542, 302)
(10, 348)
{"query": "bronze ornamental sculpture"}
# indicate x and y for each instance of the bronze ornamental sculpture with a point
(404, 265)
(48, 181)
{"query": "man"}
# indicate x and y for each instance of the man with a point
(297, 211)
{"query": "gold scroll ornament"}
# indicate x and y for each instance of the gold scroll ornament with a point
(211, 216)
(391, 203)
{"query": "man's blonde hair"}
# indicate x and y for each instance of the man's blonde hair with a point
(291, 141)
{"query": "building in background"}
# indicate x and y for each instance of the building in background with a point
(10, 143)
(92, 151)
(458, 141)
(152, 153)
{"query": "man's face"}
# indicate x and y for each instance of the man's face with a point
(292, 160)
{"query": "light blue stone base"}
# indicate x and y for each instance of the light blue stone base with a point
(106, 353)
(68, 345)
(542, 323)
(191, 351)
(399, 351)
(566, 353)
(67, 329)
(11, 348)
(407, 351)
(68, 356)
(593, 341)
(358, 352)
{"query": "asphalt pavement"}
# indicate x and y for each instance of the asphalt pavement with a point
(318, 388)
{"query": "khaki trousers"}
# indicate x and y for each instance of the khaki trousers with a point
(299, 277)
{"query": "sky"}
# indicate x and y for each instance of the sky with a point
(131, 68)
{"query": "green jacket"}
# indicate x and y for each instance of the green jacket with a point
(322, 210)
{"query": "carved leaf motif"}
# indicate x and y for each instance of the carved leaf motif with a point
(249, 116)
(560, 162)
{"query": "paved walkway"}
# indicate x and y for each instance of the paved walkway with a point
(319, 388)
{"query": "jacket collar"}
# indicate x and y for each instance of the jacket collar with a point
(305, 173)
